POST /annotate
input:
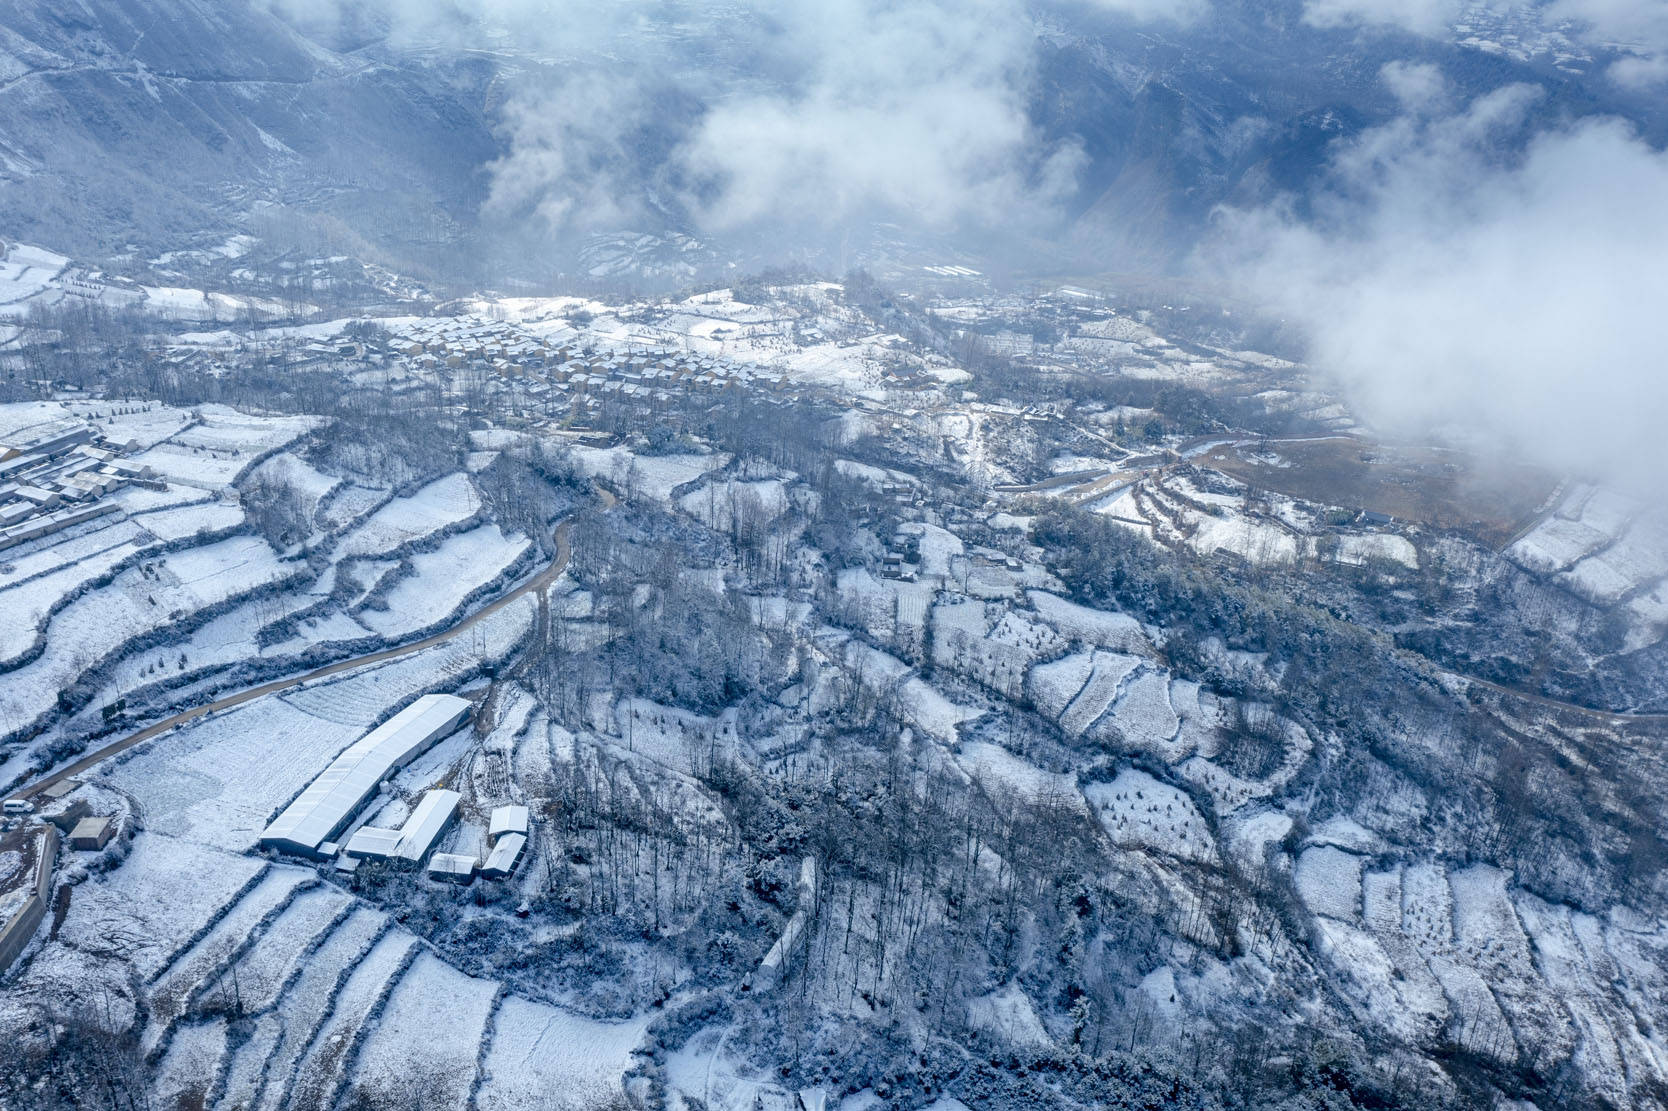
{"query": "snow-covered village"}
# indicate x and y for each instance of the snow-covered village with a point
(714, 700)
(879, 555)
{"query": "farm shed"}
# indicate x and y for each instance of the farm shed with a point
(433, 814)
(329, 802)
(452, 867)
(505, 856)
(507, 819)
(413, 839)
(25, 906)
(370, 841)
(92, 834)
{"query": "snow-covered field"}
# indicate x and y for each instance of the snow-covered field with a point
(444, 502)
(1137, 811)
(442, 579)
(653, 476)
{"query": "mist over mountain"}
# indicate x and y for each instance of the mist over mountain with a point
(1043, 137)
(876, 555)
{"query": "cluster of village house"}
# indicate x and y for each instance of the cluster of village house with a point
(569, 374)
(59, 477)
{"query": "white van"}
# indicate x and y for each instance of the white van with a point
(19, 806)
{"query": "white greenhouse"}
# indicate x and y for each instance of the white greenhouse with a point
(330, 801)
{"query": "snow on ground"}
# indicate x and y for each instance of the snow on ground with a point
(427, 1037)
(193, 1058)
(1483, 915)
(124, 421)
(1427, 906)
(93, 625)
(442, 579)
(441, 503)
(993, 644)
(221, 781)
(1359, 548)
(1373, 978)
(1000, 770)
(1105, 680)
(171, 993)
(1639, 558)
(1053, 685)
(289, 470)
(258, 977)
(23, 420)
(347, 505)
(543, 1059)
(1138, 811)
(176, 303)
(1249, 836)
(1007, 1014)
(24, 604)
(190, 520)
(667, 735)
(164, 892)
(223, 428)
(654, 476)
(1144, 717)
(1555, 544)
(1228, 791)
(882, 605)
(1251, 539)
(918, 701)
(1329, 882)
(203, 468)
(937, 546)
(26, 272)
(282, 1035)
(722, 505)
(315, 1073)
(1117, 631)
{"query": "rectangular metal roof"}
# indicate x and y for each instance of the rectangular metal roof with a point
(373, 842)
(502, 860)
(331, 799)
(507, 819)
(452, 864)
(427, 821)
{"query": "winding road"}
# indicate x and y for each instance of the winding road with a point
(537, 584)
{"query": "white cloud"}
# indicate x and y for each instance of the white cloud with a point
(814, 113)
(1517, 302)
(1636, 28)
(1417, 86)
(569, 163)
(916, 108)
(1423, 17)
(1639, 27)
(1155, 11)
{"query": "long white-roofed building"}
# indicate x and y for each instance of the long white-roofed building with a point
(415, 837)
(329, 803)
(433, 813)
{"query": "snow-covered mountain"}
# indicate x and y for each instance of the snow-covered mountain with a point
(149, 122)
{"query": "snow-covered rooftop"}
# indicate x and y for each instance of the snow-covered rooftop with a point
(507, 819)
(424, 826)
(342, 787)
(506, 852)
